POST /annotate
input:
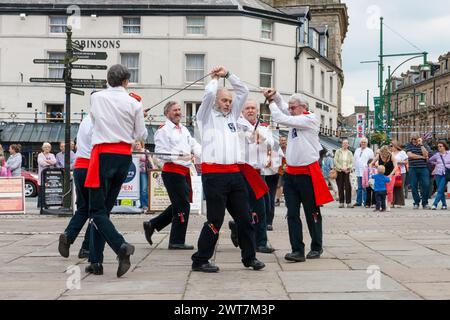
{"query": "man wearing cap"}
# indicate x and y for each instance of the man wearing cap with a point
(304, 183)
(118, 120)
(174, 138)
(223, 182)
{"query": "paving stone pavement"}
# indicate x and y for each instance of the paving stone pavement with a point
(411, 250)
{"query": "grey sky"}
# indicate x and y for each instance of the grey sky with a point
(424, 23)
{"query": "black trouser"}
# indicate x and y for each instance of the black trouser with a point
(225, 191)
(370, 198)
(113, 172)
(344, 187)
(380, 196)
(178, 212)
(82, 214)
(259, 219)
(298, 189)
(272, 183)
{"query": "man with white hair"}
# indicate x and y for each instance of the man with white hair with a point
(223, 182)
(361, 157)
(304, 182)
(174, 138)
(256, 139)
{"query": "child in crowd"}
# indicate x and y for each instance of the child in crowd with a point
(380, 181)
(368, 174)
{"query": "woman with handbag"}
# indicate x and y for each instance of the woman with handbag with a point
(400, 178)
(442, 173)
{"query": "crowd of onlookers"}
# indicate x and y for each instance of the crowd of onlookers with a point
(382, 180)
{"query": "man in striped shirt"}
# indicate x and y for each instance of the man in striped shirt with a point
(419, 173)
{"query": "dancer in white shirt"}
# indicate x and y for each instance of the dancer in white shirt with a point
(174, 138)
(223, 182)
(118, 120)
(304, 182)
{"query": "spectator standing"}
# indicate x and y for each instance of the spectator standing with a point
(61, 155)
(139, 146)
(402, 159)
(46, 159)
(419, 173)
(343, 163)
(14, 163)
(328, 172)
(442, 162)
(362, 155)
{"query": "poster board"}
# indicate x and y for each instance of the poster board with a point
(52, 187)
(128, 200)
(159, 199)
(12, 195)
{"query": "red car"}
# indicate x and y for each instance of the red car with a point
(31, 183)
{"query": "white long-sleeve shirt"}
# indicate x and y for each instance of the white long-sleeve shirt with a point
(220, 137)
(254, 154)
(84, 138)
(116, 117)
(170, 139)
(303, 142)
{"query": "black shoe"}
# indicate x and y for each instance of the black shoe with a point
(64, 245)
(148, 231)
(83, 254)
(180, 247)
(357, 205)
(295, 257)
(255, 264)
(125, 251)
(314, 254)
(265, 249)
(95, 268)
(269, 227)
(234, 236)
(207, 267)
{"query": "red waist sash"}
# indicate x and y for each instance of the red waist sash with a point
(93, 175)
(81, 163)
(321, 192)
(254, 179)
(179, 169)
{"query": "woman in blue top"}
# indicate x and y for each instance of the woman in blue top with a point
(442, 161)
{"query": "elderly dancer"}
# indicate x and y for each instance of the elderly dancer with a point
(173, 137)
(256, 140)
(118, 120)
(304, 182)
(223, 182)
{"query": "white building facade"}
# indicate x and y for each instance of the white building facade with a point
(166, 47)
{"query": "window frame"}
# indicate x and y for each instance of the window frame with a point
(187, 26)
(271, 31)
(131, 26)
(50, 25)
(272, 75)
(131, 69)
(186, 54)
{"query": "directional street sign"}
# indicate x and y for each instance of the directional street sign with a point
(89, 67)
(53, 80)
(86, 55)
(94, 81)
(79, 92)
(89, 85)
(76, 46)
(48, 61)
